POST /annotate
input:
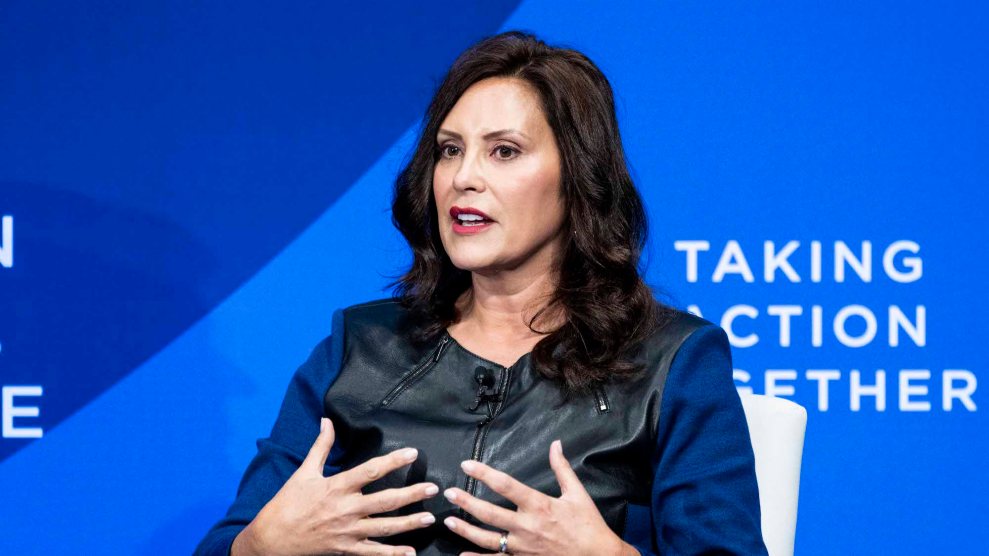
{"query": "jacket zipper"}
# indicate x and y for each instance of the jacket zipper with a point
(416, 373)
(482, 430)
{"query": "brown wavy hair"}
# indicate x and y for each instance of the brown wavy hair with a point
(609, 309)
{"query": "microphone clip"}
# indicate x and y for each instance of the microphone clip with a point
(486, 389)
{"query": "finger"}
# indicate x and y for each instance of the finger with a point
(372, 548)
(375, 468)
(565, 475)
(394, 498)
(502, 483)
(485, 511)
(320, 449)
(480, 537)
(387, 526)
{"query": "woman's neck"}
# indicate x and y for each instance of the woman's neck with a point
(500, 308)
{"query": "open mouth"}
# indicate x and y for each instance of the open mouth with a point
(469, 220)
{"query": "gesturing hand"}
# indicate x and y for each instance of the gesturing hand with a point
(313, 514)
(570, 524)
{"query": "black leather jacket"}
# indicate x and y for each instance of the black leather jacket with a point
(454, 405)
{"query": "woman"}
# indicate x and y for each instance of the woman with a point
(521, 329)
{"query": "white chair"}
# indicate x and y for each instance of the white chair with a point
(776, 427)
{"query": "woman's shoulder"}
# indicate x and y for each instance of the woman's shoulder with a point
(382, 309)
(673, 327)
(678, 335)
(375, 317)
(383, 304)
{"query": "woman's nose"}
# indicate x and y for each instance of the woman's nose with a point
(470, 174)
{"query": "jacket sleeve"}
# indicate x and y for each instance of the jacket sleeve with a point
(281, 453)
(705, 499)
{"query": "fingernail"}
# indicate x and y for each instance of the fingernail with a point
(450, 523)
(468, 465)
(450, 494)
(432, 489)
(322, 425)
(558, 446)
(410, 553)
(410, 454)
(428, 519)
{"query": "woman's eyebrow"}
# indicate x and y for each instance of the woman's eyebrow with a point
(486, 136)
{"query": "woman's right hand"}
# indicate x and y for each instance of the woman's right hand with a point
(313, 514)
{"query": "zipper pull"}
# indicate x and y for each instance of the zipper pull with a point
(439, 350)
(602, 400)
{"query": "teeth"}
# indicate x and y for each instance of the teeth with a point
(465, 216)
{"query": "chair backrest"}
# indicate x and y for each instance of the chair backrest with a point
(776, 427)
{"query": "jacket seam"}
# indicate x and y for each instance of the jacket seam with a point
(623, 519)
(654, 426)
(371, 304)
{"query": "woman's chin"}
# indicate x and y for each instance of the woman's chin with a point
(470, 265)
(474, 263)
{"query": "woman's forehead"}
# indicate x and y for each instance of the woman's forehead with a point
(496, 104)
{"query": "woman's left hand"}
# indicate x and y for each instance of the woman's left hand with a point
(570, 524)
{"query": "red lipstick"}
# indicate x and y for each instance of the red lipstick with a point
(469, 225)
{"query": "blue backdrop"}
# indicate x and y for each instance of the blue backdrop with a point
(189, 189)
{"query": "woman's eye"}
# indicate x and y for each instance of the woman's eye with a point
(505, 152)
(444, 150)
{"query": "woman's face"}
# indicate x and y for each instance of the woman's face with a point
(498, 156)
